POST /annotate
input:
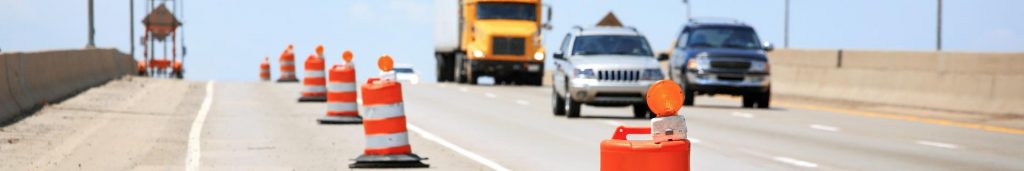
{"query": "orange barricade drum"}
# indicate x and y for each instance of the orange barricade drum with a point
(619, 153)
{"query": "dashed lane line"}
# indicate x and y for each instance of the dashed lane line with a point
(743, 115)
(469, 154)
(824, 127)
(795, 162)
(937, 144)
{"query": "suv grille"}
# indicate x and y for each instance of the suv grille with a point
(618, 75)
(730, 64)
(508, 45)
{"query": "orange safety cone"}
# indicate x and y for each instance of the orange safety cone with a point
(265, 69)
(387, 141)
(287, 61)
(314, 85)
(341, 94)
(669, 149)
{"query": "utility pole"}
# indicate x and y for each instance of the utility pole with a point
(688, 16)
(92, 30)
(785, 43)
(938, 27)
(131, 26)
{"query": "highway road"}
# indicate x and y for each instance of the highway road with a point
(151, 124)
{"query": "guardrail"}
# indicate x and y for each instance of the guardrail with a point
(29, 80)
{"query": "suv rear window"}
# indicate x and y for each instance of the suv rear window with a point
(611, 45)
(723, 37)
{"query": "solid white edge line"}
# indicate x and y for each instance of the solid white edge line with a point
(938, 144)
(472, 156)
(824, 127)
(795, 162)
(192, 160)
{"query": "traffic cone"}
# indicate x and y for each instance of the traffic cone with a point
(669, 149)
(314, 86)
(287, 61)
(341, 94)
(387, 141)
(265, 69)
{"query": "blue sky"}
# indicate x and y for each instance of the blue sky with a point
(227, 39)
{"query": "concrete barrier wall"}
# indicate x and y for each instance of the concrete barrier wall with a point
(985, 83)
(31, 79)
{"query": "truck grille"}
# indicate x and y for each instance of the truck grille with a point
(730, 64)
(618, 75)
(509, 45)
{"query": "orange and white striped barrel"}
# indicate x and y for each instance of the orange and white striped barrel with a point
(341, 93)
(287, 62)
(387, 140)
(314, 85)
(265, 69)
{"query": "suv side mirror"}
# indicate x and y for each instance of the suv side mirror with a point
(768, 46)
(558, 55)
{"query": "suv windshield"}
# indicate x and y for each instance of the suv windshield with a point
(611, 45)
(514, 11)
(724, 37)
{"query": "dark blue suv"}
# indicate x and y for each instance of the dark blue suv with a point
(721, 58)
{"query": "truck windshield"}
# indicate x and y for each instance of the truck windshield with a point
(611, 45)
(513, 11)
(724, 37)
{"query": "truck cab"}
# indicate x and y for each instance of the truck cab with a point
(498, 38)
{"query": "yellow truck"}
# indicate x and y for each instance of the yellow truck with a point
(496, 38)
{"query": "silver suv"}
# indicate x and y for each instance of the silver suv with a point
(603, 66)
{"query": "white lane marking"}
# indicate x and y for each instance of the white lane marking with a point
(743, 115)
(490, 95)
(613, 123)
(824, 127)
(523, 102)
(472, 156)
(192, 160)
(795, 162)
(463, 89)
(938, 144)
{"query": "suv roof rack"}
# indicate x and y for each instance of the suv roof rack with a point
(712, 20)
(579, 28)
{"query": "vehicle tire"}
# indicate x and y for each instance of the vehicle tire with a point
(445, 67)
(458, 72)
(764, 100)
(471, 77)
(688, 96)
(574, 108)
(536, 79)
(749, 99)
(557, 103)
(641, 110)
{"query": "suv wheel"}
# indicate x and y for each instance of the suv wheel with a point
(688, 97)
(749, 99)
(640, 110)
(574, 106)
(764, 100)
(557, 103)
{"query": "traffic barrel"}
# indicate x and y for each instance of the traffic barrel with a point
(387, 141)
(287, 62)
(265, 69)
(668, 150)
(341, 94)
(314, 85)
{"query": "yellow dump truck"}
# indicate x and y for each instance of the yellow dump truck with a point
(496, 38)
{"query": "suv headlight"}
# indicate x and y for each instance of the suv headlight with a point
(698, 63)
(652, 74)
(584, 73)
(759, 66)
(538, 56)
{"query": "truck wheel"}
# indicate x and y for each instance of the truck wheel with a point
(536, 79)
(445, 67)
(471, 77)
(749, 99)
(458, 72)
(764, 100)
(640, 110)
(557, 103)
(574, 108)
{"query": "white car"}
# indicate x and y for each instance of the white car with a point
(405, 73)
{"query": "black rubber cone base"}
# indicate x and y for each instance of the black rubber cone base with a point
(313, 99)
(340, 120)
(288, 80)
(389, 161)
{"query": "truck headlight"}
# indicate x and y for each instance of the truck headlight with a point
(584, 73)
(653, 74)
(478, 53)
(538, 56)
(759, 66)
